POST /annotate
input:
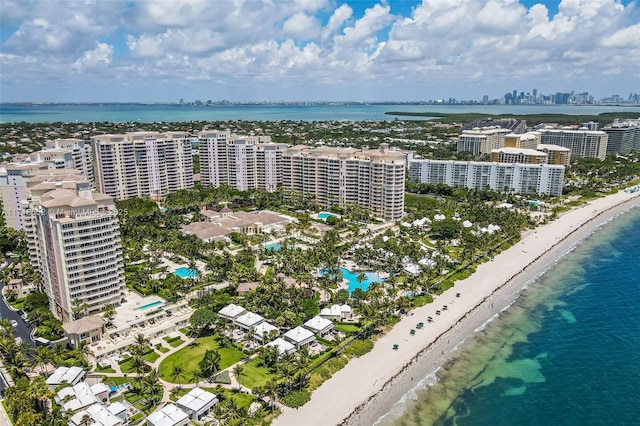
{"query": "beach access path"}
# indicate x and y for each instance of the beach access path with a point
(363, 378)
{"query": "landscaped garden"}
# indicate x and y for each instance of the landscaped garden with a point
(189, 357)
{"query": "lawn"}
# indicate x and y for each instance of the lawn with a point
(254, 375)
(174, 341)
(347, 328)
(242, 399)
(189, 357)
(162, 348)
(117, 380)
(151, 357)
(104, 370)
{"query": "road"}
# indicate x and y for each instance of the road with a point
(23, 330)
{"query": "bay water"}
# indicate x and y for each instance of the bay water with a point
(567, 352)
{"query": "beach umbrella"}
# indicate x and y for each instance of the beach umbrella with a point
(395, 347)
(412, 332)
(429, 319)
(437, 312)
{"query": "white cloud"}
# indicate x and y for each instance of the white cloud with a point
(99, 56)
(302, 26)
(626, 38)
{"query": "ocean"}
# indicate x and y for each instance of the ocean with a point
(565, 353)
(147, 113)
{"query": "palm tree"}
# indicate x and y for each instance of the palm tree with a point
(178, 373)
(238, 371)
(41, 356)
(210, 363)
(140, 344)
(108, 311)
(197, 376)
(79, 308)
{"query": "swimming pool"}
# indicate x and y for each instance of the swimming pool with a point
(151, 305)
(352, 277)
(273, 246)
(324, 216)
(185, 272)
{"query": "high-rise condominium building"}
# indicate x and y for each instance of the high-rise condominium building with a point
(519, 155)
(13, 189)
(80, 152)
(74, 240)
(624, 136)
(244, 162)
(481, 140)
(517, 178)
(557, 155)
(142, 164)
(529, 140)
(582, 143)
(373, 179)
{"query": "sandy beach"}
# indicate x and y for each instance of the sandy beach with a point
(368, 386)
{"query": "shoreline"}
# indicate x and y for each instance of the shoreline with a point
(383, 376)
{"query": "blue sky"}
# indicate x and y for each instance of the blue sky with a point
(306, 50)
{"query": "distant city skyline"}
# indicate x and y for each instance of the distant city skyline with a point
(315, 50)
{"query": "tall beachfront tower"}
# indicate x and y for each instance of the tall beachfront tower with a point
(80, 151)
(582, 143)
(142, 164)
(74, 240)
(373, 179)
(482, 140)
(244, 162)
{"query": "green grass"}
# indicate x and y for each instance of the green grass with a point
(254, 375)
(189, 357)
(162, 348)
(242, 399)
(104, 369)
(18, 303)
(125, 366)
(117, 380)
(223, 378)
(347, 328)
(174, 341)
(151, 357)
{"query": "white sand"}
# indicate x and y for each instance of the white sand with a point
(368, 386)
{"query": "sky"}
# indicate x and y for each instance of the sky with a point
(314, 50)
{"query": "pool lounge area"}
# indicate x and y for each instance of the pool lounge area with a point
(352, 278)
(185, 272)
(324, 216)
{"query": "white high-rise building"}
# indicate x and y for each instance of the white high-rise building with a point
(582, 143)
(507, 177)
(80, 152)
(142, 164)
(74, 240)
(482, 140)
(373, 179)
(244, 162)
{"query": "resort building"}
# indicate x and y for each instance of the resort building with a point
(299, 337)
(319, 326)
(98, 415)
(557, 155)
(624, 136)
(81, 395)
(88, 329)
(197, 403)
(169, 415)
(248, 320)
(337, 312)
(284, 347)
(582, 143)
(529, 140)
(508, 177)
(244, 162)
(231, 312)
(70, 375)
(519, 155)
(372, 179)
(16, 178)
(481, 140)
(142, 164)
(263, 330)
(74, 240)
(81, 154)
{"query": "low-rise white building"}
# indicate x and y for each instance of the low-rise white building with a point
(336, 312)
(197, 403)
(73, 398)
(283, 346)
(300, 337)
(248, 320)
(169, 415)
(320, 326)
(231, 312)
(99, 415)
(263, 329)
(71, 375)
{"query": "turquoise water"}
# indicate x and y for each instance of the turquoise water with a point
(370, 277)
(185, 272)
(151, 113)
(565, 353)
(151, 305)
(324, 216)
(273, 246)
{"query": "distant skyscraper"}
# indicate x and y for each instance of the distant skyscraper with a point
(485, 99)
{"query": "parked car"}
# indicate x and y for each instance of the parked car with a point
(14, 323)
